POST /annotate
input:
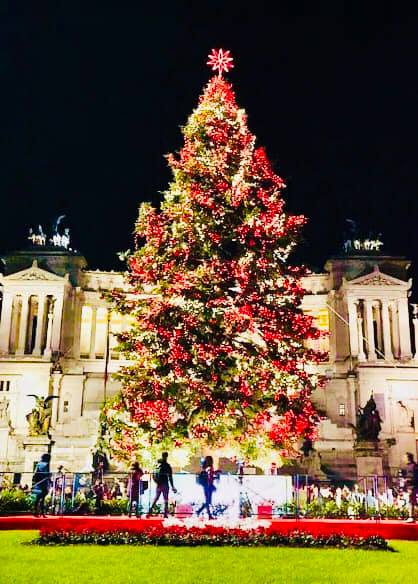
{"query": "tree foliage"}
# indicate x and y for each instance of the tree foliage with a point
(217, 352)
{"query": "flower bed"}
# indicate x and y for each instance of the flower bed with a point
(175, 533)
(329, 509)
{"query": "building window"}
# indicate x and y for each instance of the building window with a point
(4, 385)
(341, 409)
(322, 320)
(66, 407)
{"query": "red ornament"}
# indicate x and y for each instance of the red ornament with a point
(220, 61)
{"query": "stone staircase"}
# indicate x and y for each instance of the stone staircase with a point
(333, 458)
(328, 466)
(339, 466)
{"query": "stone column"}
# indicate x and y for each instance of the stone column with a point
(78, 310)
(23, 325)
(415, 323)
(395, 328)
(371, 352)
(404, 330)
(108, 336)
(56, 390)
(56, 325)
(353, 327)
(387, 345)
(13, 325)
(5, 322)
(379, 332)
(47, 351)
(361, 355)
(352, 401)
(93, 332)
(39, 325)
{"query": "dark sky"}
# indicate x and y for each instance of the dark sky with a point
(92, 97)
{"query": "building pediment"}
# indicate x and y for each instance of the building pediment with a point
(34, 273)
(377, 278)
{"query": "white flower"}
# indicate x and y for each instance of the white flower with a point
(199, 523)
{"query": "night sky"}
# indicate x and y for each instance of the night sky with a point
(92, 97)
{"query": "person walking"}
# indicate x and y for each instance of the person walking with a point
(164, 479)
(99, 494)
(206, 478)
(134, 488)
(411, 484)
(58, 491)
(40, 484)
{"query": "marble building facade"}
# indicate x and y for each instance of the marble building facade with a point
(57, 338)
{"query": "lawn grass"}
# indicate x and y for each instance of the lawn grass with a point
(21, 564)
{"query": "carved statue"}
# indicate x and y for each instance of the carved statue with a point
(65, 238)
(4, 412)
(32, 236)
(56, 240)
(350, 235)
(377, 242)
(39, 419)
(354, 241)
(60, 239)
(56, 224)
(406, 416)
(38, 237)
(369, 422)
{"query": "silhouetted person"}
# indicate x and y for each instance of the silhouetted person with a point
(40, 484)
(99, 493)
(164, 479)
(205, 479)
(100, 465)
(411, 479)
(134, 488)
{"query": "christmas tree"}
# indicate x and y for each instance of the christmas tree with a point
(217, 350)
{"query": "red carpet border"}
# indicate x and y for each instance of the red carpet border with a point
(361, 528)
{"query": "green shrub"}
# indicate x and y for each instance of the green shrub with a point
(389, 512)
(115, 506)
(13, 500)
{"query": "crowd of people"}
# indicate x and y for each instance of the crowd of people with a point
(81, 493)
(53, 493)
(357, 501)
(369, 495)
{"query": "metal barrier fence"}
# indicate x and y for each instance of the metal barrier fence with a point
(262, 496)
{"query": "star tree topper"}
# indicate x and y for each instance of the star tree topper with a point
(220, 61)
